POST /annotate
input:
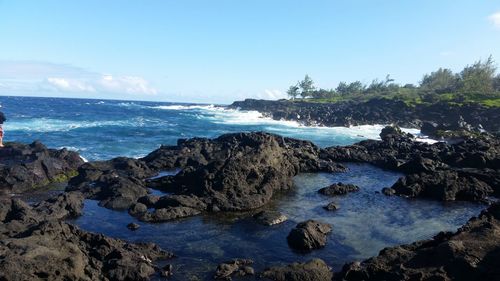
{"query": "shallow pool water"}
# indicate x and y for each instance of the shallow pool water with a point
(366, 222)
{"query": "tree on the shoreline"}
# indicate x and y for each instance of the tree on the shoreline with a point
(476, 81)
(479, 77)
(496, 83)
(441, 81)
(342, 88)
(306, 86)
(293, 91)
(355, 87)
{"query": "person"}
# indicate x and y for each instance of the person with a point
(2, 119)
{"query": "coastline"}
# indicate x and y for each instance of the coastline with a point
(444, 116)
(129, 185)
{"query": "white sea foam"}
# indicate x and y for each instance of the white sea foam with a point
(426, 140)
(187, 107)
(71, 148)
(131, 104)
(217, 115)
(419, 136)
(235, 117)
(222, 115)
(57, 125)
(241, 117)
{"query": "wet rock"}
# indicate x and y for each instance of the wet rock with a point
(133, 226)
(65, 205)
(168, 214)
(338, 189)
(270, 217)
(25, 167)
(234, 172)
(418, 164)
(35, 244)
(149, 200)
(314, 270)
(117, 183)
(332, 206)
(246, 270)
(471, 253)
(389, 132)
(138, 209)
(455, 127)
(58, 251)
(167, 271)
(444, 186)
(241, 171)
(329, 167)
(429, 128)
(388, 191)
(309, 235)
(181, 201)
(465, 170)
(236, 267)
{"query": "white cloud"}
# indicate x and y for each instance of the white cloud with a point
(29, 76)
(127, 84)
(271, 95)
(70, 85)
(131, 85)
(495, 19)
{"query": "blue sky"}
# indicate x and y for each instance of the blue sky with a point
(220, 51)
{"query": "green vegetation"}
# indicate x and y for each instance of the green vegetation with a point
(58, 179)
(476, 83)
(65, 177)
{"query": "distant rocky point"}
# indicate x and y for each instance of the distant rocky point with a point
(437, 120)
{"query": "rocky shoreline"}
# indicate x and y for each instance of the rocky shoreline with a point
(242, 172)
(36, 244)
(25, 167)
(437, 120)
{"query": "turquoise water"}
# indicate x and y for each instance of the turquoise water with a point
(366, 222)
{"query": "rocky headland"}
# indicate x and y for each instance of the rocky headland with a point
(436, 120)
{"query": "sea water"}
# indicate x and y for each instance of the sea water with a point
(366, 222)
(102, 129)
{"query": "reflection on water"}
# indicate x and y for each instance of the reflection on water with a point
(366, 222)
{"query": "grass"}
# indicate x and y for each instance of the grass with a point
(491, 102)
(413, 98)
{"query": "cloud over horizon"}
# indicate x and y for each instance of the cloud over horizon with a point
(39, 78)
(32, 76)
(495, 19)
(104, 84)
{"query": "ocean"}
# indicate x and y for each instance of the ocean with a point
(366, 222)
(103, 129)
